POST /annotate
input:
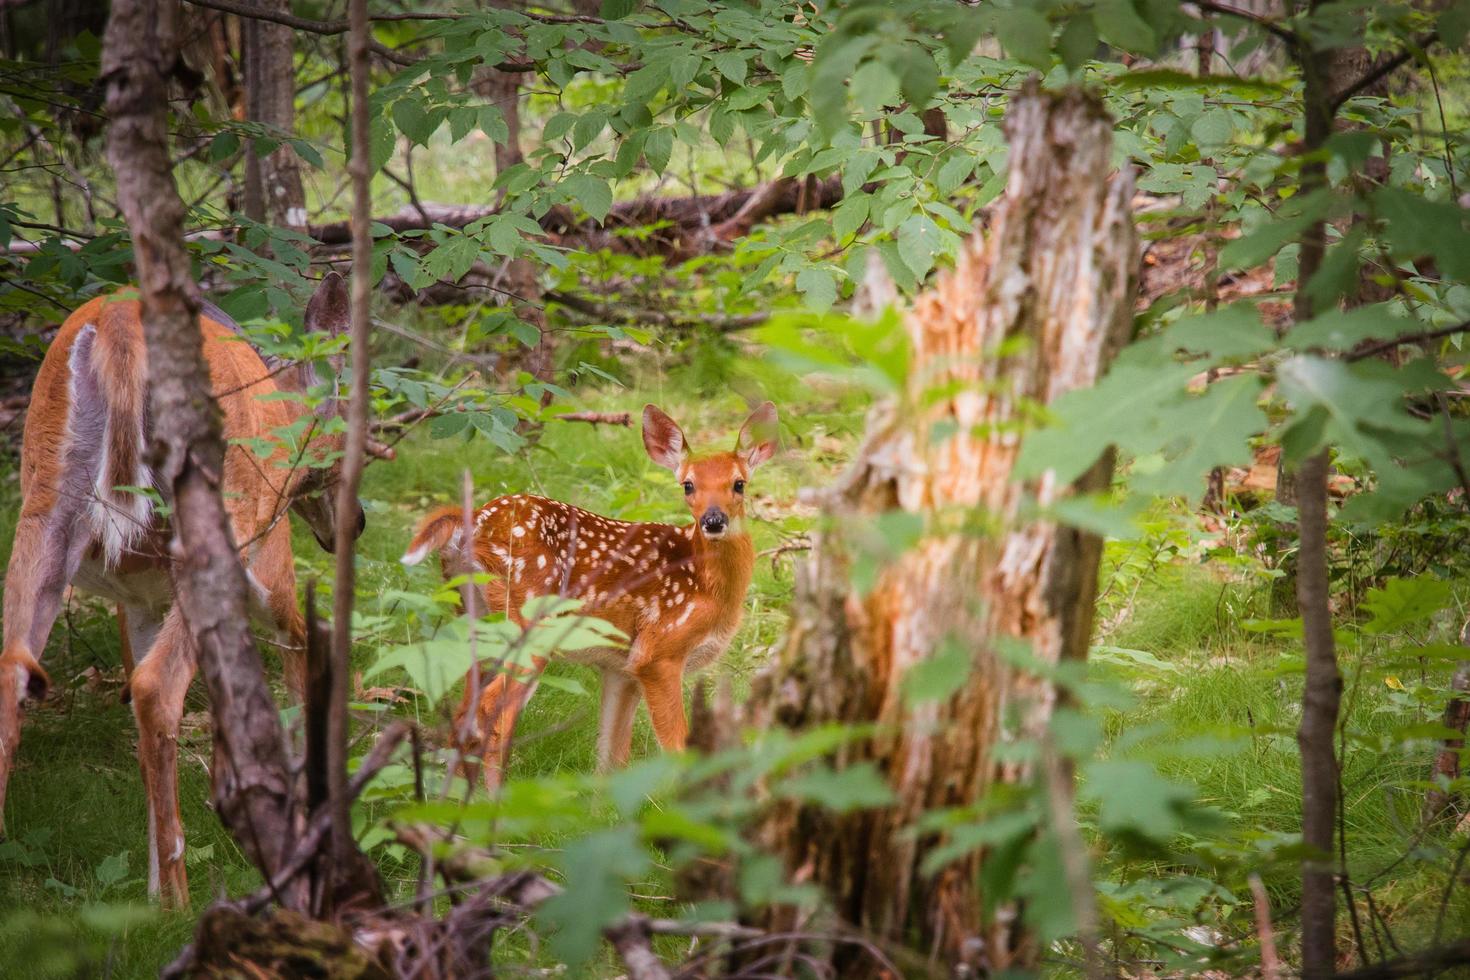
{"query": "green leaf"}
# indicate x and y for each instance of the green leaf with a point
(112, 870)
(223, 146)
(1268, 238)
(1119, 24)
(658, 148)
(850, 215)
(1078, 42)
(381, 143)
(732, 65)
(819, 288)
(1231, 332)
(955, 171)
(1134, 800)
(588, 127)
(874, 87)
(493, 125)
(593, 194)
(1213, 429)
(1127, 408)
(1341, 330)
(919, 243)
(558, 126)
(618, 9)
(855, 787)
(1026, 36)
(1417, 227)
(597, 866)
(1404, 602)
(943, 673)
(414, 121)
(1212, 129)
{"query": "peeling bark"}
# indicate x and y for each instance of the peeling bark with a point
(1036, 309)
(251, 782)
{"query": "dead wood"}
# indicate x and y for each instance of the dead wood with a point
(1035, 309)
(691, 225)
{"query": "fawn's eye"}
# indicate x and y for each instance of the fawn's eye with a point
(688, 487)
(739, 486)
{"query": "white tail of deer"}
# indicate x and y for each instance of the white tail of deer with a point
(678, 593)
(86, 436)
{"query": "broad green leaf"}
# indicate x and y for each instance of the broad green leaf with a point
(597, 867)
(819, 288)
(415, 121)
(1268, 238)
(850, 215)
(1417, 226)
(658, 147)
(874, 87)
(1404, 602)
(1025, 35)
(1134, 800)
(1078, 42)
(1119, 24)
(855, 787)
(919, 244)
(1211, 429)
(1130, 407)
(1341, 330)
(1231, 332)
(593, 194)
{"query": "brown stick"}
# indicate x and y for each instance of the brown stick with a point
(344, 856)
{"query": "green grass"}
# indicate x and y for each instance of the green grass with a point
(1219, 714)
(76, 800)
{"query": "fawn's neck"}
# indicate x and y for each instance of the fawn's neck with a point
(724, 565)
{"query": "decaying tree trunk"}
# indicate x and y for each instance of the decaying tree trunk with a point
(273, 188)
(251, 781)
(1036, 309)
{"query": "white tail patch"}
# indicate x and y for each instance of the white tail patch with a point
(118, 517)
(415, 555)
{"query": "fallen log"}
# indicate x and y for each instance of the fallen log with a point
(690, 225)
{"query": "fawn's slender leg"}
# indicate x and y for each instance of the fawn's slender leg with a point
(620, 697)
(663, 687)
(500, 706)
(159, 684)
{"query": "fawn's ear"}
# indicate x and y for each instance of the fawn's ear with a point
(327, 311)
(663, 438)
(757, 441)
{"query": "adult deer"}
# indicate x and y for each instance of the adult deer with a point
(677, 592)
(85, 443)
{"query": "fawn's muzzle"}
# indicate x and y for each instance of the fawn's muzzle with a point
(714, 521)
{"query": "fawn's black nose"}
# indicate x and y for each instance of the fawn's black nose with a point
(361, 523)
(714, 521)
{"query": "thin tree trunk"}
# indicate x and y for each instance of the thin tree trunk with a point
(1036, 309)
(251, 782)
(1322, 692)
(273, 188)
(352, 882)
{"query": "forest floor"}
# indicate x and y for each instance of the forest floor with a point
(1207, 702)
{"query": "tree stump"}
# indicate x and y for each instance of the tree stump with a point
(1033, 310)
